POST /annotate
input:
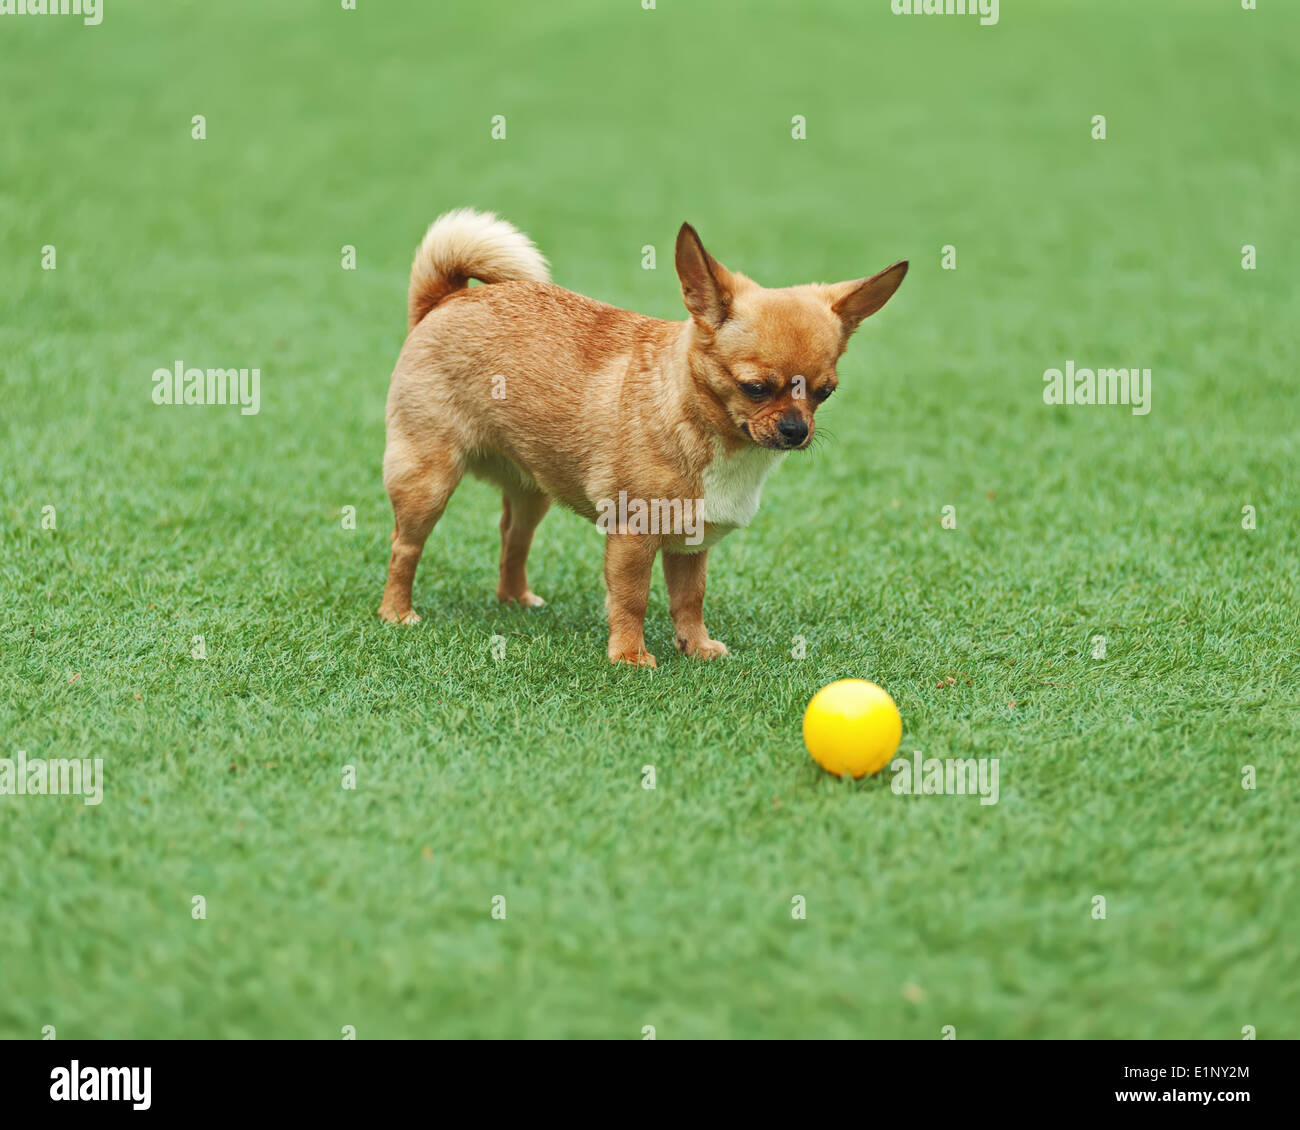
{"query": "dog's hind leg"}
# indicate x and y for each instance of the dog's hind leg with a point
(521, 511)
(419, 485)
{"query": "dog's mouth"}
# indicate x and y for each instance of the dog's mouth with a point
(776, 442)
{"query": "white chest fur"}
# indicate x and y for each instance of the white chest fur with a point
(733, 486)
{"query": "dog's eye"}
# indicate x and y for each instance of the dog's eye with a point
(755, 390)
(822, 393)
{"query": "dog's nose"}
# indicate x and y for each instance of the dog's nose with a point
(793, 429)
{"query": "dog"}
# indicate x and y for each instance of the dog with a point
(551, 395)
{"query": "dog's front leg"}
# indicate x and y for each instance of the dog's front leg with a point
(629, 559)
(684, 576)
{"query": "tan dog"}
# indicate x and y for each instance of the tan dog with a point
(661, 432)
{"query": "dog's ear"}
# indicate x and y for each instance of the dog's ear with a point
(707, 286)
(857, 300)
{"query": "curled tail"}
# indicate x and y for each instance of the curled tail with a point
(464, 245)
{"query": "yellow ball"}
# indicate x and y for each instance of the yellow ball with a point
(852, 727)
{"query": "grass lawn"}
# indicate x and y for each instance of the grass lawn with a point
(521, 776)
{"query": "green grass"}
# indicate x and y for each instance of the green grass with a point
(521, 777)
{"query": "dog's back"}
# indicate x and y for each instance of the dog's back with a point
(518, 369)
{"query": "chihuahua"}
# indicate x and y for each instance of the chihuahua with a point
(660, 432)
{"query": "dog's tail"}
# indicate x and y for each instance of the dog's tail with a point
(464, 245)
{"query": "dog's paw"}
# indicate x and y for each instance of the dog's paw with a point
(634, 658)
(701, 649)
(528, 600)
(393, 617)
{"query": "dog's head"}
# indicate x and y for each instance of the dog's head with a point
(768, 356)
